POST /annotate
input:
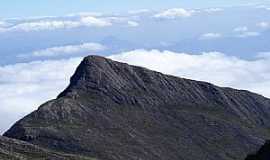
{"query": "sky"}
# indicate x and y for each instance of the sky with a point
(18, 8)
(42, 42)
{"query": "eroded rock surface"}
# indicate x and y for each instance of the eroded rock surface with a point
(11, 149)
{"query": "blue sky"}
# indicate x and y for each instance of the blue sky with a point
(19, 8)
(224, 42)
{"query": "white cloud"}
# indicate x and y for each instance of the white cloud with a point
(83, 14)
(68, 50)
(133, 24)
(44, 25)
(166, 44)
(53, 24)
(4, 24)
(241, 29)
(212, 67)
(213, 10)
(263, 7)
(31, 18)
(263, 25)
(26, 86)
(115, 19)
(174, 13)
(243, 32)
(139, 11)
(208, 36)
(248, 34)
(96, 22)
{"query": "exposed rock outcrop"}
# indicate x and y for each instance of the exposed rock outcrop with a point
(11, 149)
(262, 154)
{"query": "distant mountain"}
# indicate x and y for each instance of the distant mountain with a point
(115, 111)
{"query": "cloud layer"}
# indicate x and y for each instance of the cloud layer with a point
(208, 36)
(264, 25)
(174, 13)
(69, 50)
(26, 86)
(243, 32)
(92, 19)
(53, 23)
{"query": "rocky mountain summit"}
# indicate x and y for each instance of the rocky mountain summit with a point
(115, 111)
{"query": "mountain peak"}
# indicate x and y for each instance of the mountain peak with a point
(123, 83)
(116, 111)
(94, 59)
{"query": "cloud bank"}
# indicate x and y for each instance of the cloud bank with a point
(174, 13)
(264, 25)
(68, 50)
(249, 34)
(26, 86)
(243, 31)
(56, 23)
(208, 36)
(133, 24)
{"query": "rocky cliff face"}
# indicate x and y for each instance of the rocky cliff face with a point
(262, 154)
(114, 111)
(11, 149)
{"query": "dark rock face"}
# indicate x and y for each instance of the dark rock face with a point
(262, 154)
(11, 149)
(114, 111)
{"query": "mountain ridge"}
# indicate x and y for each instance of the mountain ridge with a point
(116, 111)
